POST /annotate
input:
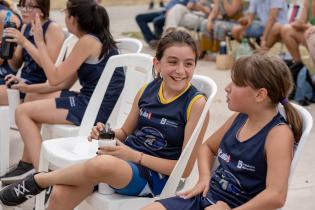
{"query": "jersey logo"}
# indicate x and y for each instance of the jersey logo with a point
(145, 114)
(224, 156)
(165, 121)
(153, 139)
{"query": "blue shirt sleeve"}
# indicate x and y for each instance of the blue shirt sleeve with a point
(252, 7)
(172, 3)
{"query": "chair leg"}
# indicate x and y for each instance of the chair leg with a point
(4, 139)
(40, 199)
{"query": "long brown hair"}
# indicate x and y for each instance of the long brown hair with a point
(270, 72)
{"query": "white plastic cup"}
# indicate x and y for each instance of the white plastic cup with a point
(105, 189)
(107, 142)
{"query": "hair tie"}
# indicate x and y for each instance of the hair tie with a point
(284, 101)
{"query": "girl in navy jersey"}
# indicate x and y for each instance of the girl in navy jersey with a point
(90, 23)
(162, 118)
(33, 77)
(254, 147)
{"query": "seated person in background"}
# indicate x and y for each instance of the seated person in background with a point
(294, 34)
(271, 15)
(220, 21)
(90, 23)
(254, 147)
(158, 20)
(26, 52)
(146, 150)
(184, 16)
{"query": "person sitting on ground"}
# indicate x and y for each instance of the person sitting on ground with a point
(220, 22)
(295, 34)
(271, 14)
(158, 20)
(147, 149)
(90, 23)
(254, 147)
(184, 16)
(26, 52)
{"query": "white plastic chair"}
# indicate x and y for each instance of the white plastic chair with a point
(60, 153)
(7, 113)
(66, 151)
(307, 126)
(125, 45)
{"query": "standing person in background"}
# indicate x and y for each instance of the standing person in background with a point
(158, 20)
(33, 77)
(90, 23)
(254, 147)
(271, 15)
(162, 119)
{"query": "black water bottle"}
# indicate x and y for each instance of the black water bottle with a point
(7, 48)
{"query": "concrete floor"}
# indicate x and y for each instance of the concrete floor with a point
(301, 194)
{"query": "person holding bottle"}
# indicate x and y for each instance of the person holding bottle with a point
(27, 54)
(163, 117)
(254, 147)
(88, 21)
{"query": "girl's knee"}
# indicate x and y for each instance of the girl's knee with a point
(101, 165)
(56, 195)
(285, 30)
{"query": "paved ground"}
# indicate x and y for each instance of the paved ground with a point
(301, 194)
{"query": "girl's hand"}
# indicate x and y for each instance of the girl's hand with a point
(14, 35)
(96, 131)
(220, 205)
(37, 30)
(202, 186)
(121, 151)
(309, 32)
(14, 82)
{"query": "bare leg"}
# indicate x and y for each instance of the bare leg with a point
(275, 35)
(292, 38)
(28, 116)
(38, 96)
(79, 180)
(238, 33)
(75, 195)
(3, 95)
(154, 206)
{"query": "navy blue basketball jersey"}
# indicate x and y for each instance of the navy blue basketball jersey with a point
(242, 172)
(32, 73)
(161, 123)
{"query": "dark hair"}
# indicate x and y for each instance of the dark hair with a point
(270, 72)
(5, 3)
(92, 18)
(174, 38)
(43, 5)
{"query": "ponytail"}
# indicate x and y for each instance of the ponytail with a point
(294, 120)
(92, 18)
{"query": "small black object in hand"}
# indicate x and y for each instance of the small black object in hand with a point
(13, 82)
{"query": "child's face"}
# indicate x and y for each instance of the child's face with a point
(240, 99)
(29, 11)
(176, 67)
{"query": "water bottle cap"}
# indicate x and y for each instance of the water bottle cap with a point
(7, 16)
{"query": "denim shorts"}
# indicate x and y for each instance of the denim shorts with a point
(255, 30)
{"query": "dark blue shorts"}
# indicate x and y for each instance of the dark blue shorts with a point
(196, 203)
(144, 182)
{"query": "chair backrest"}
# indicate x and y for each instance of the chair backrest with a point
(207, 86)
(66, 48)
(138, 71)
(129, 45)
(307, 126)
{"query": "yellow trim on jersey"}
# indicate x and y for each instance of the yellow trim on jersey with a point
(191, 104)
(166, 101)
(142, 89)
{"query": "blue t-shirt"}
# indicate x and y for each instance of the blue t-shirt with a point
(261, 9)
(242, 172)
(161, 123)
